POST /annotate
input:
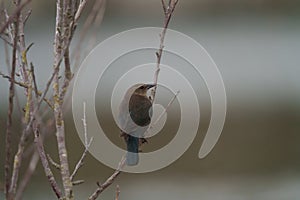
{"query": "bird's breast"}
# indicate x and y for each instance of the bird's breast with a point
(139, 107)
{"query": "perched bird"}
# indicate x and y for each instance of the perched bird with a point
(135, 114)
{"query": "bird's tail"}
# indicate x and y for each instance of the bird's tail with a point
(132, 157)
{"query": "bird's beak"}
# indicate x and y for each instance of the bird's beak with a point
(150, 86)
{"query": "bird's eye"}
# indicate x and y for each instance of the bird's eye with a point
(142, 87)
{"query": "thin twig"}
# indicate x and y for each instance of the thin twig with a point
(85, 126)
(21, 84)
(6, 40)
(94, 19)
(23, 54)
(117, 192)
(55, 71)
(27, 16)
(8, 35)
(53, 163)
(67, 18)
(33, 162)
(86, 144)
(24, 85)
(162, 114)
(10, 186)
(78, 182)
(109, 181)
(47, 169)
(11, 18)
(7, 54)
(58, 114)
(164, 6)
(97, 10)
(30, 170)
(79, 11)
(168, 14)
(36, 91)
(70, 28)
(80, 162)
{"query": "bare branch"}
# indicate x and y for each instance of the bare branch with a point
(79, 11)
(15, 13)
(162, 114)
(78, 182)
(168, 14)
(117, 192)
(95, 17)
(27, 16)
(17, 163)
(48, 172)
(109, 181)
(31, 168)
(164, 6)
(6, 40)
(33, 162)
(59, 47)
(86, 144)
(10, 186)
(53, 163)
(67, 18)
(36, 91)
(13, 80)
(24, 85)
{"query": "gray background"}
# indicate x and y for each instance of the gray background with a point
(256, 47)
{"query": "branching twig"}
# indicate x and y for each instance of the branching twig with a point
(109, 181)
(53, 163)
(10, 186)
(86, 144)
(47, 169)
(15, 13)
(33, 162)
(21, 84)
(60, 51)
(58, 114)
(24, 85)
(68, 14)
(31, 168)
(27, 16)
(162, 114)
(6, 40)
(168, 11)
(92, 18)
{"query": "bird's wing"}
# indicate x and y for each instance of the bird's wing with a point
(139, 107)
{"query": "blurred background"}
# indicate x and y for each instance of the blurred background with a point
(256, 47)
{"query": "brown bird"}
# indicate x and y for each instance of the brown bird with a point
(135, 114)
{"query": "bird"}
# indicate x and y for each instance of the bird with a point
(135, 112)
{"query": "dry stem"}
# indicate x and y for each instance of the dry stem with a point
(45, 163)
(10, 186)
(86, 145)
(109, 181)
(15, 13)
(168, 11)
(117, 192)
(162, 114)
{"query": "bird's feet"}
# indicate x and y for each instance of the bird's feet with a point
(143, 141)
(124, 135)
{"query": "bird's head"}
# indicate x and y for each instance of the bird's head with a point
(142, 89)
